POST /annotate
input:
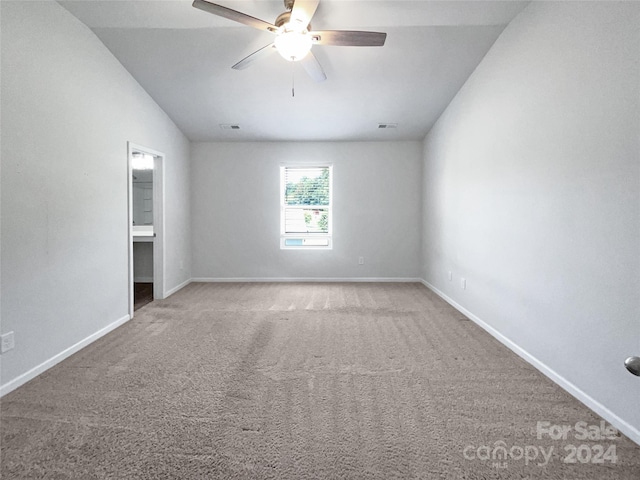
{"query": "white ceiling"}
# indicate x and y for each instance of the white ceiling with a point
(182, 57)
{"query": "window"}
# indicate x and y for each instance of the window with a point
(305, 207)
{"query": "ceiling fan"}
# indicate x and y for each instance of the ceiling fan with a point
(294, 36)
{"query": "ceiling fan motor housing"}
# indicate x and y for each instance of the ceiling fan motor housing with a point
(284, 18)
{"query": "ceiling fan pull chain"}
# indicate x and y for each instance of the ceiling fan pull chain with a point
(293, 79)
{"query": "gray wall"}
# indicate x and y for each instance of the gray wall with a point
(143, 262)
(532, 193)
(236, 211)
(68, 110)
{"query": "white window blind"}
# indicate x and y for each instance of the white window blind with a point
(305, 201)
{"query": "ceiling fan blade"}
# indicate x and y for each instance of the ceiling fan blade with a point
(303, 11)
(313, 68)
(346, 38)
(257, 55)
(234, 15)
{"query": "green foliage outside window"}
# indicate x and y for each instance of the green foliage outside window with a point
(323, 222)
(309, 191)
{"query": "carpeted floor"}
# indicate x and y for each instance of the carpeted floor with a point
(300, 381)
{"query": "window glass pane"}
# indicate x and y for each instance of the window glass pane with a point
(305, 207)
(306, 220)
(306, 186)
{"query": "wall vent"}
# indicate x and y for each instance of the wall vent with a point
(387, 125)
(229, 126)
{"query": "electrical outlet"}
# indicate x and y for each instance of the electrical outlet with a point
(463, 283)
(7, 343)
(360, 260)
(450, 276)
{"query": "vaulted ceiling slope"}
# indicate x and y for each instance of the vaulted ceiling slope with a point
(182, 57)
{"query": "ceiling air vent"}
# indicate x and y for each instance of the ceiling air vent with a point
(387, 125)
(229, 126)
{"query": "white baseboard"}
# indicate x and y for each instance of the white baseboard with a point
(307, 279)
(626, 428)
(179, 287)
(46, 365)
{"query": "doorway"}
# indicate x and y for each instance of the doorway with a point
(146, 225)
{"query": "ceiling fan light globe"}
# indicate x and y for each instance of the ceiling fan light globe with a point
(293, 45)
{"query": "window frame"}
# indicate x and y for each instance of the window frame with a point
(284, 236)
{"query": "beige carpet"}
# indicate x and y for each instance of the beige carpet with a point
(300, 381)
